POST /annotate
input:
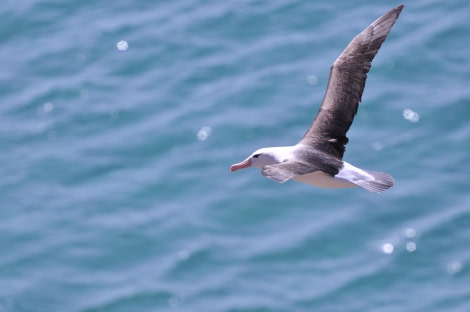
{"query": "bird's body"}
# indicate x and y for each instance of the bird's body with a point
(317, 158)
(321, 179)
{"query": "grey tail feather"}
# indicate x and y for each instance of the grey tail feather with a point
(382, 181)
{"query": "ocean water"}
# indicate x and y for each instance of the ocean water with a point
(119, 121)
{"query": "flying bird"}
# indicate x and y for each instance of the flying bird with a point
(317, 159)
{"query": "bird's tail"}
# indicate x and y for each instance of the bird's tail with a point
(372, 181)
(381, 182)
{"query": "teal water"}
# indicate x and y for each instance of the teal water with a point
(116, 193)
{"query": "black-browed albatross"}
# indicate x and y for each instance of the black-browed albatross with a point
(317, 158)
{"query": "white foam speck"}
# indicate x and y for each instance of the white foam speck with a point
(122, 45)
(410, 115)
(204, 133)
(48, 107)
(387, 248)
(411, 246)
(454, 267)
(410, 233)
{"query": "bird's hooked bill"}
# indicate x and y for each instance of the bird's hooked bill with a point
(244, 164)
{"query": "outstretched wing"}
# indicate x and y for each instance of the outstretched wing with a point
(345, 86)
(287, 170)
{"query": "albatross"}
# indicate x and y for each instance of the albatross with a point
(317, 159)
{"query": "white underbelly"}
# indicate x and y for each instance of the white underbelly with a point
(321, 179)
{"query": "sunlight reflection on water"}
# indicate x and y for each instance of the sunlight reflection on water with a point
(410, 115)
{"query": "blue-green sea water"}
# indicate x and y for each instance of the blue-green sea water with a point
(119, 121)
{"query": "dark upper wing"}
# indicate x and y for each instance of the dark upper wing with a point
(347, 80)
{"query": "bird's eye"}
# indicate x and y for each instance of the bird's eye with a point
(256, 155)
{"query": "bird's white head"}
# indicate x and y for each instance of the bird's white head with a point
(265, 156)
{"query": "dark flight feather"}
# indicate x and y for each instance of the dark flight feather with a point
(346, 83)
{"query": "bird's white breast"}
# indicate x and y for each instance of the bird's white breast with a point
(321, 179)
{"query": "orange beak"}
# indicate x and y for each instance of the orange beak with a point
(244, 164)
